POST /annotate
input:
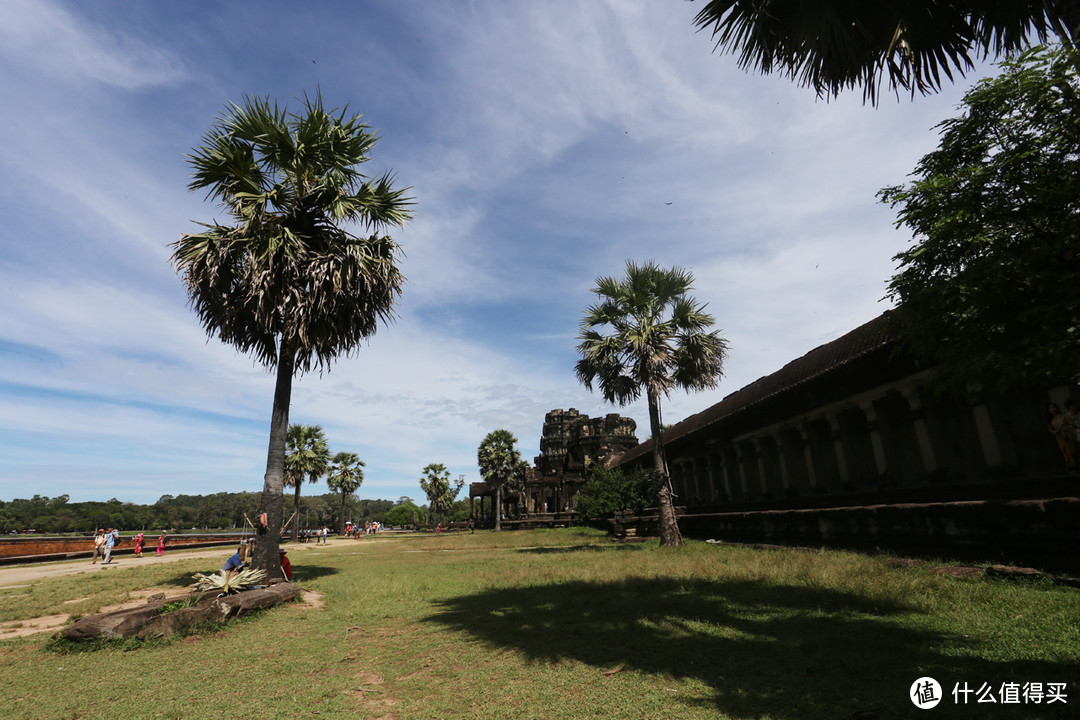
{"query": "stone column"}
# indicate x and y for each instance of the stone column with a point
(712, 470)
(808, 457)
(922, 432)
(726, 475)
(699, 480)
(838, 447)
(875, 437)
(740, 458)
(762, 475)
(785, 479)
(985, 427)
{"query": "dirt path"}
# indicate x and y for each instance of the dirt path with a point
(26, 575)
(23, 575)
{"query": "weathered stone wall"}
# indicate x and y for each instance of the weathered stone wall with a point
(33, 548)
(1029, 533)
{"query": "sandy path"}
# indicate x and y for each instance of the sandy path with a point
(23, 575)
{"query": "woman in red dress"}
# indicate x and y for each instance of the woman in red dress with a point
(139, 539)
(161, 544)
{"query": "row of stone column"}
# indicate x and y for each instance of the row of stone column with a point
(874, 441)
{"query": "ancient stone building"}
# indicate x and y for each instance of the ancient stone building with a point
(832, 444)
(570, 444)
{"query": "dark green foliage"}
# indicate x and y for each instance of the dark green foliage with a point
(459, 511)
(833, 45)
(607, 492)
(220, 511)
(403, 514)
(990, 288)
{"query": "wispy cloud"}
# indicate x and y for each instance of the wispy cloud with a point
(546, 143)
(46, 38)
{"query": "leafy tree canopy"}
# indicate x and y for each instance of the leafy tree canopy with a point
(608, 491)
(989, 287)
(833, 45)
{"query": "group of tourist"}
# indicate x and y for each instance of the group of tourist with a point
(368, 528)
(1065, 427)
(318, 534)
(106, 540)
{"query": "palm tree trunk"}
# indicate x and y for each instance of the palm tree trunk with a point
(273, 497)
(498, 507)
(296, 510)
(669, 524)
(341, 516)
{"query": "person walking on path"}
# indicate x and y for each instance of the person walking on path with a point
(111, 538)
(161, 544)
(99, 544)
(139, 540)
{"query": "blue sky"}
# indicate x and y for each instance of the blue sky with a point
(545, 143)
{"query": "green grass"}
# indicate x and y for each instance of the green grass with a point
(563, 624)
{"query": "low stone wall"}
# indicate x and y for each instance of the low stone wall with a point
(36, 549)
(1042, 533)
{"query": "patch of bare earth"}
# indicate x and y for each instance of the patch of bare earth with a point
(311, 599)
(33, 626)
(54, 623)
(369, 695)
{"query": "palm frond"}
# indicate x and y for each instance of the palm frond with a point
(833, 45)
(289, 268)
(229, 583)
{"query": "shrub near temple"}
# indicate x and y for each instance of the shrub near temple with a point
(608, 491)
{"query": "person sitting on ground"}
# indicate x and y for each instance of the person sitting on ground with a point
(286, 566)
(234, 563)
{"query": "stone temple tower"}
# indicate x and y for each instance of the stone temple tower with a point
(570, 444)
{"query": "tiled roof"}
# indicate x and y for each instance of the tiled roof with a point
(876, 334)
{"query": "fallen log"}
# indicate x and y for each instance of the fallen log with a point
(147, 621)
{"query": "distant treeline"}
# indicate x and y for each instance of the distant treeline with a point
(220, 511)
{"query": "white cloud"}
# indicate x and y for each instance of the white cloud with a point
(542, 140)
(45, 37)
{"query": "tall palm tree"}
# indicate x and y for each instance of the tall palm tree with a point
(831, 45)
(435, 482)
(345, 477)
(304, 272)
(646, 333)
(307, 457)
(498, 459)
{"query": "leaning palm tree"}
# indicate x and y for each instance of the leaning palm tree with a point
(645, 333)
(304, 271)
(346, 476)
(831, 45)
(307, 457)
(498, 458)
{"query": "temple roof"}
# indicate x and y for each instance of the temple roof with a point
(822, 360)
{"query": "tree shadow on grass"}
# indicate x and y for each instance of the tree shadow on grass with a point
(785, 652)
(304, 572)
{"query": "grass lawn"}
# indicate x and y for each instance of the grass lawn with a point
(563, 624)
